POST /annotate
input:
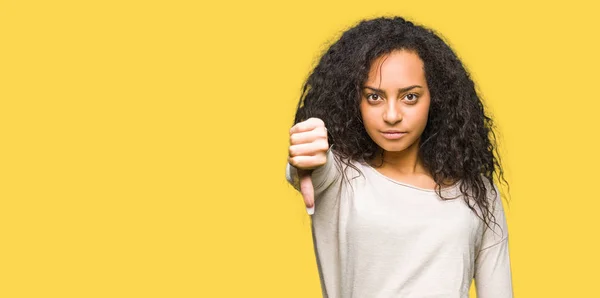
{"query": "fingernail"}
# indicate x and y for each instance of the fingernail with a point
(310, 210)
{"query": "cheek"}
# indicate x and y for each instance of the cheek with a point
(420, 115)
(423, 116)
(367, 116)
(371, 119)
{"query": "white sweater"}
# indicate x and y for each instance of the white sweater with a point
(384, 238)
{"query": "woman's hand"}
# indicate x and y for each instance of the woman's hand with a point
(308, 150)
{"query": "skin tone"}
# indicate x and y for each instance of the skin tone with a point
(395, 98)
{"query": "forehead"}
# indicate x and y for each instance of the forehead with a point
(398, 67)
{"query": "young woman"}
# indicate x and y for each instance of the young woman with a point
(395, 158)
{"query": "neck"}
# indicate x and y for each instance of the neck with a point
(406, 161)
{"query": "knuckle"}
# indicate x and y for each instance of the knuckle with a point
(322, 159)
(315, 122)
(315, 146)
(323, 131)
(319, 145)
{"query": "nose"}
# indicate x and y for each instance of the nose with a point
(392, 113)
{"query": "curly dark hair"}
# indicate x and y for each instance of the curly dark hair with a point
(459, 143)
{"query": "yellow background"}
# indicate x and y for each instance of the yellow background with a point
(143, 143)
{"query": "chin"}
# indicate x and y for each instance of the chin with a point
(395, 146)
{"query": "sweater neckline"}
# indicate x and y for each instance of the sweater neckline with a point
(449, 188)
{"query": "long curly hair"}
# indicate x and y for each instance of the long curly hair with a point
(458, 143)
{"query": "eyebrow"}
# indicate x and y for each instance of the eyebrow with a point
(401, 89)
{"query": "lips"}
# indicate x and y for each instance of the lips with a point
(393, 134)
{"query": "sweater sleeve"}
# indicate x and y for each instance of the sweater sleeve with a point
(322, 177)
(493, 277)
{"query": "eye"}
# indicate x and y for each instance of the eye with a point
(412, 97)
(372, 97)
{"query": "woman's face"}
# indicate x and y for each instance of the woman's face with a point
(395, 101)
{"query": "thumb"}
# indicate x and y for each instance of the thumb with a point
(306, 188)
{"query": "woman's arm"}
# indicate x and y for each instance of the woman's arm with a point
(493, 277)
(309, 154)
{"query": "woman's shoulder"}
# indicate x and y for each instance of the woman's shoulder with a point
(351, 167)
